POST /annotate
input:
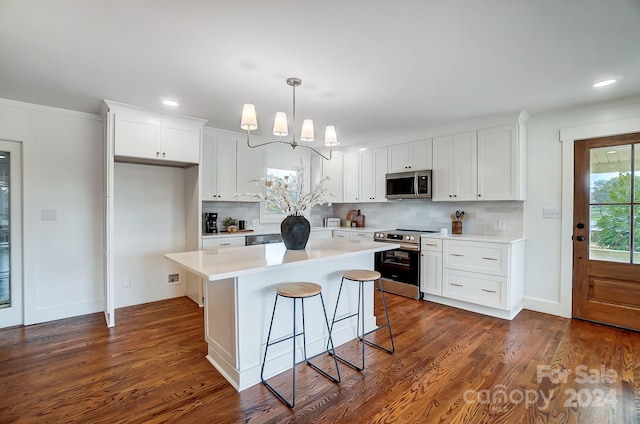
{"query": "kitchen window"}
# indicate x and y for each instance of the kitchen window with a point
(269, 211)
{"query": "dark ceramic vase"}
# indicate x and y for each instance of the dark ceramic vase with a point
(295, 232)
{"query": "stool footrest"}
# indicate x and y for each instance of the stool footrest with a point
(284, 339)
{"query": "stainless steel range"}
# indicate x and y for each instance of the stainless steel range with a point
(400, 268)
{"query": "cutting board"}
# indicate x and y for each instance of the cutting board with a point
(237, 231)
(355, 216)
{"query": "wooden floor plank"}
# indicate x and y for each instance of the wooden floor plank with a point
(450, 366)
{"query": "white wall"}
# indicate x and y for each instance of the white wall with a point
(62, 172)
(149, 221)
(545, 291)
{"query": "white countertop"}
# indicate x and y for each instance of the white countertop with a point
(472, 237)
(216, 264)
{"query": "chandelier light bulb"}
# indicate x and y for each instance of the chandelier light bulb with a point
(249, 121)
(307, 133)
(330, 137)
(280, 127)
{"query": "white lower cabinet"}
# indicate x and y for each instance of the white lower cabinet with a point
(483, 277)
(431, 266)
(222, 242)
(353, 235)
(320, 234)
(482, 289)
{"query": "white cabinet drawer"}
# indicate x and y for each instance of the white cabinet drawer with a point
(431, 244)
(361, 236)
(486, 258)
(481, 289)
(222, 242)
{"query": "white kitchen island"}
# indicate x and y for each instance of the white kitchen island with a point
(240, 292)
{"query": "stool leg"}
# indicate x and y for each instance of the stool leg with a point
(335, 311)
(264, 359)
(361, 333)
(333, 351)
(274, 391)
(388, 324)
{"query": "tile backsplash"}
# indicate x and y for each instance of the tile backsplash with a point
(482, 218)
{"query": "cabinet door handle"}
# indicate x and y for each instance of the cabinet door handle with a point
(225, 244)
(489, 259)
(456, 254)
(157, 154)
(489, 291)
(163, 154)
(430, 244)
(457, 285)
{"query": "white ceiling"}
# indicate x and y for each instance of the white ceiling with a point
(372, 68)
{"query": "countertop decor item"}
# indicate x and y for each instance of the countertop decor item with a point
(456, 222)
(249, 122)
(287, 194)
(230, 223)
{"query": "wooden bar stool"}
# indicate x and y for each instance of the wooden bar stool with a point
(297, 291)
(362, 276)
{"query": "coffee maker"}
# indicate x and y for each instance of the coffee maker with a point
(210, 223)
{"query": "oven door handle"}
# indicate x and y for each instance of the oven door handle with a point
(410, 247)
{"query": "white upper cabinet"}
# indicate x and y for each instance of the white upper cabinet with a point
(218, 168)
(351, 180)
(250, 167)
(373, 169)
(487, 164)
(500, 164)
(455, 164)
(321, 168)
(146, 136)
(364, 175)
(414, 156)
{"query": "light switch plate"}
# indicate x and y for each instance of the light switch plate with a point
(551, 213)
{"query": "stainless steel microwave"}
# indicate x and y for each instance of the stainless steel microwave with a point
(409, 185)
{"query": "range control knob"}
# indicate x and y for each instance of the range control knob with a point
(412, 238)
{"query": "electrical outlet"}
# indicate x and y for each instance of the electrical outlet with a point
(174, 279)
(502, 224)
(126, 282)
(255, 222)
(552, 213)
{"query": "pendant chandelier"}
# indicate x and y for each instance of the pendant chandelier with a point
(249, 122)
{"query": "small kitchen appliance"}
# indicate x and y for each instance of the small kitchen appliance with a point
(210, 223)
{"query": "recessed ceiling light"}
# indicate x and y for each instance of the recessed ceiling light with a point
(611, 152)
(170, 103)
(603, 83)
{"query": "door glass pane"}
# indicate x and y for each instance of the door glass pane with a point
(5, 281)
(636, 234)
(609, 233)
(636, 197)
(611, 174)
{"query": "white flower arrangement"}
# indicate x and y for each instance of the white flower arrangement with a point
(279, 191)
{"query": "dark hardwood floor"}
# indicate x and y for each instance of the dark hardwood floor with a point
(449, 366)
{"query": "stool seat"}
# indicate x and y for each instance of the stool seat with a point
(299, 290)
(361, 275)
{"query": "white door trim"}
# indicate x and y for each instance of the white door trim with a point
(567, 137)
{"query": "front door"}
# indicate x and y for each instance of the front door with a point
(606, 230)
